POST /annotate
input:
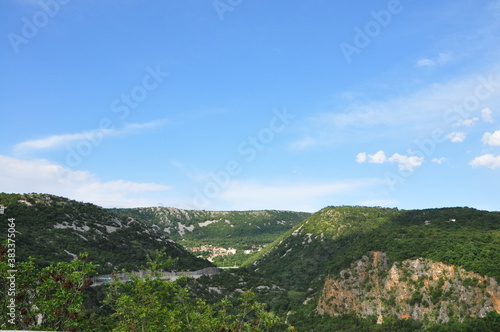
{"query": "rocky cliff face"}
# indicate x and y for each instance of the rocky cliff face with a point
(420, 289)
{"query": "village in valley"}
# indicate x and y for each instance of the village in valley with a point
(210, 252)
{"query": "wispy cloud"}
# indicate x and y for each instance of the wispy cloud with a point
(23, 176)
(419, 112)
(466, 122)
(425, 63)
(486, 116)
(438, 160)
(97, 135)
(291, 196)
(439, 60)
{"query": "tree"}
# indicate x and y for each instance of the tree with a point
(49, 299)
(149, 303)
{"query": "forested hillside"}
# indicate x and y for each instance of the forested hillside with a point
(51, 229)
(330, 241)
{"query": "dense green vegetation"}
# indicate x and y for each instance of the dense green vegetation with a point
(52, 299)
(159, 305)
(333, 238)
(51, 229)
(342, 235)
(285, 278)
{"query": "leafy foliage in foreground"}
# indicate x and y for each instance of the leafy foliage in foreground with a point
(152, 304)
(50, 298)
(159, 305)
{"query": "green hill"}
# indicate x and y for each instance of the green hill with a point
(335, 238)
(51, 228)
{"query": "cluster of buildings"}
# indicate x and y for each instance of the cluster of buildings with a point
(213, 251)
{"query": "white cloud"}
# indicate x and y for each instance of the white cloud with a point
(40, 176)
(95, 137)
(492, 139)
(487, 115)
(406, 163)
(438, 160)
(361, 157)
(487, 160)
(251, 195)
(377, 158)
(456, 136)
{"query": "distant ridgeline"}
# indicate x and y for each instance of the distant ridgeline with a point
(51, 228)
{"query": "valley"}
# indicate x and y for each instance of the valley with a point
(226, 238)
(344, 268)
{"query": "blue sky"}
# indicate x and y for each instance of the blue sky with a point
(238, 105)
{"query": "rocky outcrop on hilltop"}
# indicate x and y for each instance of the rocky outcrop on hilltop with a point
(420, 289)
